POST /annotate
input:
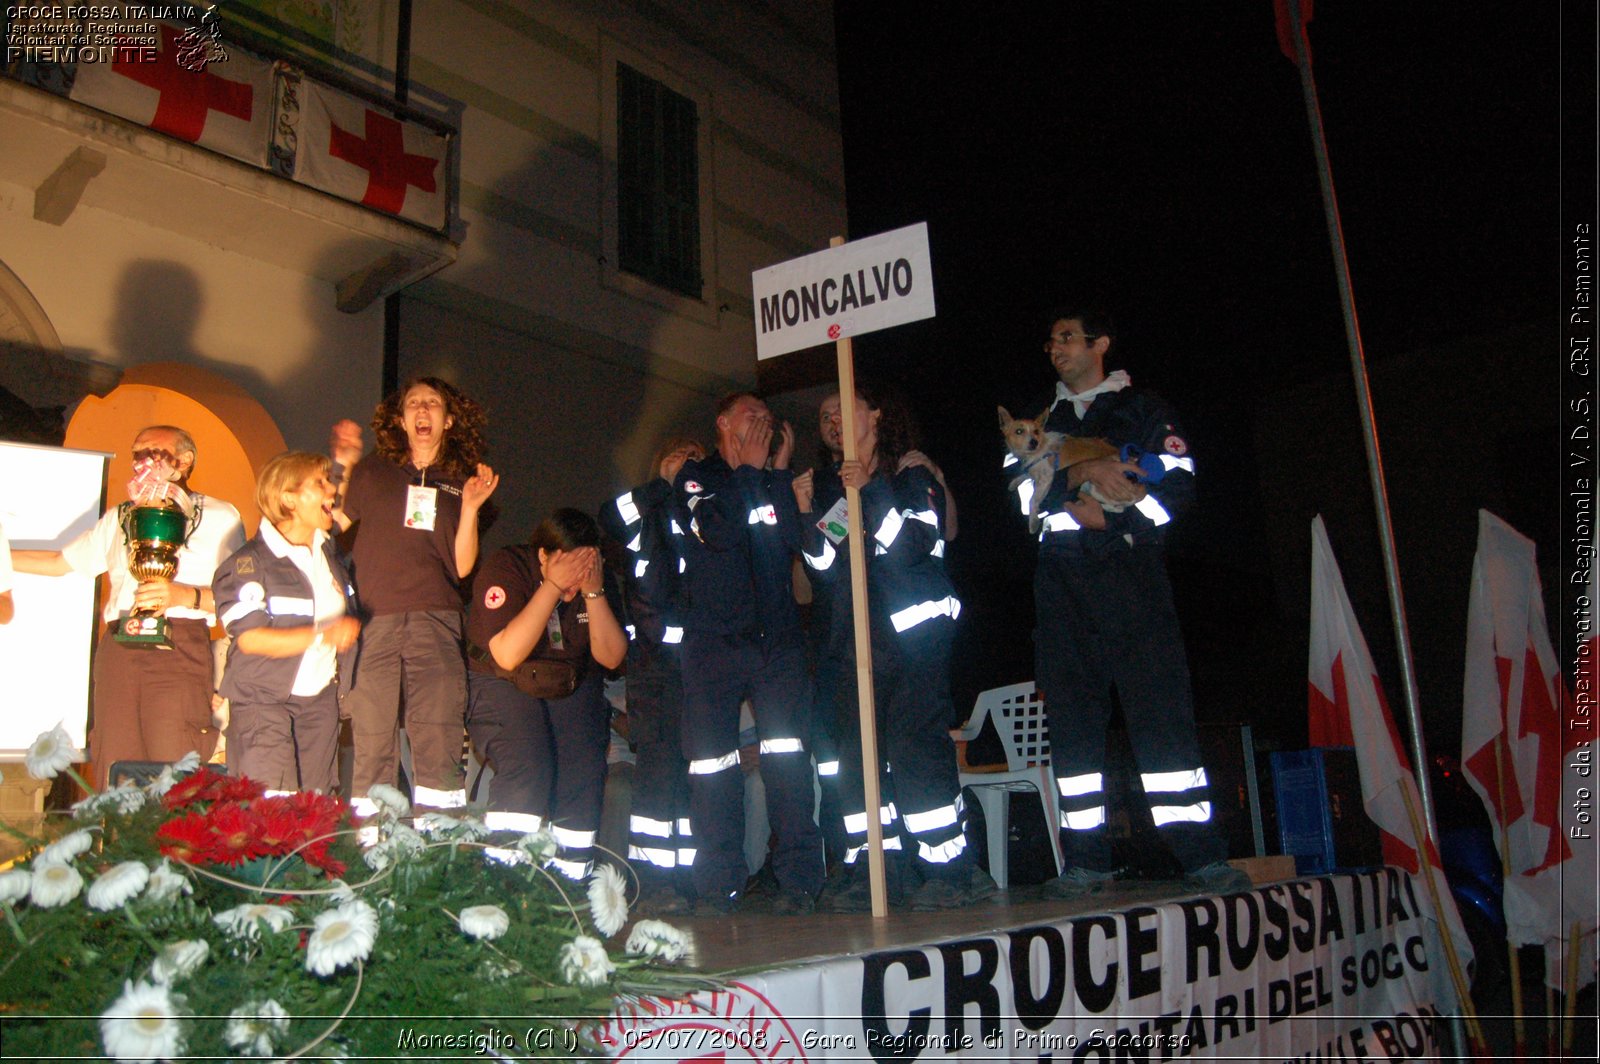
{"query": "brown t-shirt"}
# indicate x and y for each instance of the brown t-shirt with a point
(397, 568)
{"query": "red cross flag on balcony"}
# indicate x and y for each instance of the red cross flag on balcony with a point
(222, 102)
(363, 153)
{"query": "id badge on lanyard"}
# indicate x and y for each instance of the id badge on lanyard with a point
(552, 629)
(422, 507)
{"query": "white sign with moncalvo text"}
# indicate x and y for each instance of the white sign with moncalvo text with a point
(855, 288)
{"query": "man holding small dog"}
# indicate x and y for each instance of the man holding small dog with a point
(1105, 617)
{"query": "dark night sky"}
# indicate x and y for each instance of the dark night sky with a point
(1157, 157)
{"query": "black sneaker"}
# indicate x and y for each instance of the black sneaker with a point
(660, 899)
(850, 893)
(1218, 877)
(953, 892)
(716, 904)
(1078, 882)
(793, 903)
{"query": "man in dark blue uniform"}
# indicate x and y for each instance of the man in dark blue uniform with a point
(1105, 617)
(740, 533)
(640, 521)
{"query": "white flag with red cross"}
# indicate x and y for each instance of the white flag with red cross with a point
(1347, 707)
(1521, 756)
(361, 152)
(216, 96)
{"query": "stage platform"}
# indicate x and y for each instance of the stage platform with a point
(1339, 967)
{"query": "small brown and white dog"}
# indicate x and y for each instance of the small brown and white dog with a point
(1043, 453)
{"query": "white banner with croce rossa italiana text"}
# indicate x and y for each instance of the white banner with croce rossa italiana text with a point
(1343, 967)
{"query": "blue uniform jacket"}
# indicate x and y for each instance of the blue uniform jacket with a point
(740, 533)
(256, 588)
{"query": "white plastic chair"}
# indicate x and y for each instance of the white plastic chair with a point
(1019, 720)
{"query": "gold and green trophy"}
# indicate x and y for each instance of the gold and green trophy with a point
(154, 532)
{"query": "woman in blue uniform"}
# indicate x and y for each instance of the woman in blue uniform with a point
(541, 632)
(912, 621)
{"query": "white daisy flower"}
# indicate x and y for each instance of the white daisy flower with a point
(608, 900)
(117, 887)
(341, 936)
(245, 921)
(167, 883)
(50, 754)
(540, 845)
(389, 800)
(125, 798)
(584, 962)
(659, 939)
(179, 961)
(54, 884)
(66, 848)
(187, 763)
(14, 885)
(162, 783)
(484, 921)
(142, 1024)
(252, 1027)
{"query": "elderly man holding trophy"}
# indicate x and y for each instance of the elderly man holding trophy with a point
(153, 667)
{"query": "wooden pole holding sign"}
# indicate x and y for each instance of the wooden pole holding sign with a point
(849, 289)
(865, 703)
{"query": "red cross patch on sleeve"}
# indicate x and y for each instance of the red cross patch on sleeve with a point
(495, 597)
(1175, 445)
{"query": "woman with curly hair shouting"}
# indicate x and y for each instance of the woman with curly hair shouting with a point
(414, 504)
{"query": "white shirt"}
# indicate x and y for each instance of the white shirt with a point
(320, 663)
(103, 549)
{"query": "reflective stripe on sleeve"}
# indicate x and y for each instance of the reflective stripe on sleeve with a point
(673, 634)
(625, 507)
(288, 605)
(1025, 495)
(782, 746)
(710, 765)
(911, 616)
(1152, 510)
(824, 561)
(239, 609)
(1169, 462)
(1059, 522)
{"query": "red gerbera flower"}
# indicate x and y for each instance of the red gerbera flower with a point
(240, 789)
(235, 839)
(277, 826)
(187, 838)
(202, 786)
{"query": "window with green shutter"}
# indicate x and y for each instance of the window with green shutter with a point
(658, 183)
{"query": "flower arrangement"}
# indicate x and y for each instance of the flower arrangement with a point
(198, 916)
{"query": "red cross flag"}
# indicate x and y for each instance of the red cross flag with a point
(362, 153)
(1519, 757)
(222, 101)
(1346, 704)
